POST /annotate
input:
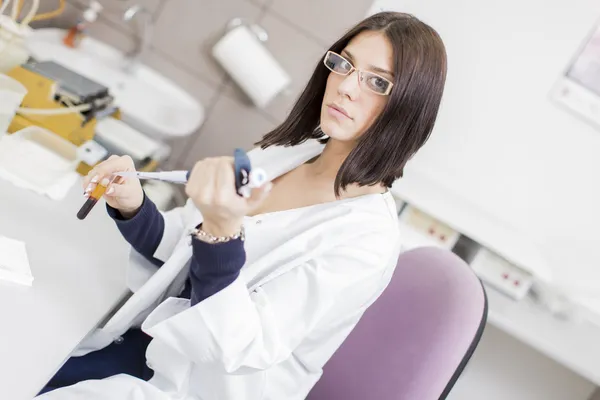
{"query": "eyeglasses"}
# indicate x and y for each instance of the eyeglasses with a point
(369, 80)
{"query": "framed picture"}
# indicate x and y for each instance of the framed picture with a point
(578, 89)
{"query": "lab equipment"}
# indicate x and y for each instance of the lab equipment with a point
(256, 177)
(92, 152)
(14, 264)
(94, 196)
(77, 32)
(61, 101)
(165, 176)
(416, 339)
(241, 53)
(13, 51)
(246, 177)
(119, 137)
(12, 93)
(32, 15)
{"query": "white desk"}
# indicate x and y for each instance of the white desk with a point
(78, 268)
(572, 344)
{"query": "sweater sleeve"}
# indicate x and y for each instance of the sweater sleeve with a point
(214, 267)
(144, 231)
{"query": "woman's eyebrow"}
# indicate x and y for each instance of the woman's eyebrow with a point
(381, 70)
(371, 67)
(346, 53)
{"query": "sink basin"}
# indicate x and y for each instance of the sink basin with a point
(149, 102)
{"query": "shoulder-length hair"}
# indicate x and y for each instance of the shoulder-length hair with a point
(408, 118)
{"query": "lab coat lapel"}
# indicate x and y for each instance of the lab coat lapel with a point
(278, 160)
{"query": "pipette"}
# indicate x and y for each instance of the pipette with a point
(246, 178)
(256, 178)
(165, 176)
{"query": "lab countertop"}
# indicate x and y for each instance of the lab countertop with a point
(79, 277)
(572, 343)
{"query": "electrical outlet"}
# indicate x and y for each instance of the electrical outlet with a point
(501, 274)
(431, 231)
(412, 239)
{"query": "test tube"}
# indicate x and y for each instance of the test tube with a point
(93, 198)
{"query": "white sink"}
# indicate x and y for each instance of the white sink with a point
(149, 102)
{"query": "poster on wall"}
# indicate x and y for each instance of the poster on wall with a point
(579, 88)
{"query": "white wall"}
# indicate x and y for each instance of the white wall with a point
(499, 141)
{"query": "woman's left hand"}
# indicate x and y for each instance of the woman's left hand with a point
(211, 187)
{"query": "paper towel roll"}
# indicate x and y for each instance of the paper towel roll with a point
(251, 65)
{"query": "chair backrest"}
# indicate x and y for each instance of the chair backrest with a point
(415, 340)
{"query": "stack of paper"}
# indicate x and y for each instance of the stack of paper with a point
(58, 191)
(14, 264)
(30, 165)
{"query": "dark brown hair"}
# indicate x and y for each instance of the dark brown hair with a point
(408, 118)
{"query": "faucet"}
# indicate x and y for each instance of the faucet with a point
(134, 13)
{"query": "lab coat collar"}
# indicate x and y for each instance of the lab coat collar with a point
(278, 160)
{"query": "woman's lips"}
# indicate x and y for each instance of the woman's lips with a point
(337, 113)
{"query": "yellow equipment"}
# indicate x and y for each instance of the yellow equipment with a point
(61, 101)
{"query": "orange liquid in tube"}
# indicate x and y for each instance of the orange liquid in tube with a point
(95, 195)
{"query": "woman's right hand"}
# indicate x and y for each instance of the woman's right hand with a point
(124, 194)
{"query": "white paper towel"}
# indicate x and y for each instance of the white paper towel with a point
(57, 191)
(14, 264)
(251, 65)
(30, 166)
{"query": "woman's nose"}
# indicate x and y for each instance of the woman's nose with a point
(350, 86)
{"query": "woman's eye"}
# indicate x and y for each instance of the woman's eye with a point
(378, 83)
(345, 65)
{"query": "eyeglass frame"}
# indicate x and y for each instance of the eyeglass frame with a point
(359, 73)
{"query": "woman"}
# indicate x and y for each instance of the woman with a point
(257, 315)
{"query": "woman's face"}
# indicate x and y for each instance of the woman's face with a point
(348, 108)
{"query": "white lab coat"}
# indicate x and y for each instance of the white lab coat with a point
(310, 274)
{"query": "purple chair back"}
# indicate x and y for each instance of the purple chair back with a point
(415, 340)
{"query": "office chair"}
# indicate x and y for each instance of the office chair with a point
(415, 340)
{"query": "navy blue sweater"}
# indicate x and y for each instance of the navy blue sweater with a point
(213, 266)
